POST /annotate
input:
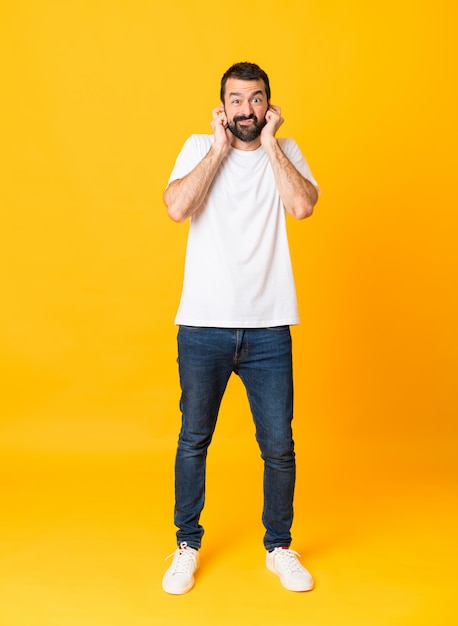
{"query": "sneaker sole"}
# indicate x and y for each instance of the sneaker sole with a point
(179, 592)
(308, 587)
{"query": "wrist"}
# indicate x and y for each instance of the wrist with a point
(220, 150)
(269, 142)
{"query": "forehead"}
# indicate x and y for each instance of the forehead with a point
(244, 87)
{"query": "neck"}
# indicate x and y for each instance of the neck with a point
(238, 144)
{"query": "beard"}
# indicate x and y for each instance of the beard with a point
(246, 133)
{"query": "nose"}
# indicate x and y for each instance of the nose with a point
(246, 109)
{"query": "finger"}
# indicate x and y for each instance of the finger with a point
(271, 115)
(217, 112)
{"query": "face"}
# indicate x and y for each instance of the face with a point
(245, 104)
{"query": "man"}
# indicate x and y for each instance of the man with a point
(237, 304)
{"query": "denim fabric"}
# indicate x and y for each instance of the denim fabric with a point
(262, 358)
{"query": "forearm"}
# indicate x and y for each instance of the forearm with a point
(298, 194)
(185, 196)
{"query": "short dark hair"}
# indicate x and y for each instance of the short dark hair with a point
(245, 71)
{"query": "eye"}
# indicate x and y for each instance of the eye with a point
(235, 101)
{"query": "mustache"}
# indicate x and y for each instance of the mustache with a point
(241, 118)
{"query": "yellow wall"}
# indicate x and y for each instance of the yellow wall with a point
(98, 97)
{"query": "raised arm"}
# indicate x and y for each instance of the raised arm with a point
(184, 196)
(298, 194)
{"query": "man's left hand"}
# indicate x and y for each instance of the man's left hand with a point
(274, 121)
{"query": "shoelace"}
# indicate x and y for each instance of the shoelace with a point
(183, 557)
(288, 560)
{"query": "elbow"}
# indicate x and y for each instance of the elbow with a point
(303, 211)
(175, 214)
(174, 210)
(305, 208)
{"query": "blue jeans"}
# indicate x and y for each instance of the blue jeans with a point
(262, 358)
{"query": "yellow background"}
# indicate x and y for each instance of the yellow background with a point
(97, 100)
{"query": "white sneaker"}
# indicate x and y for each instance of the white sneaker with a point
(179, 578)
(285, 563)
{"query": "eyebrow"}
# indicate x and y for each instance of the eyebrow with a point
(255, 93)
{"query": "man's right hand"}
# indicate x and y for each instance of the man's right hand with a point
(223, 136)
(186, 195)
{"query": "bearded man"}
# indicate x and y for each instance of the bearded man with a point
(238, 302)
